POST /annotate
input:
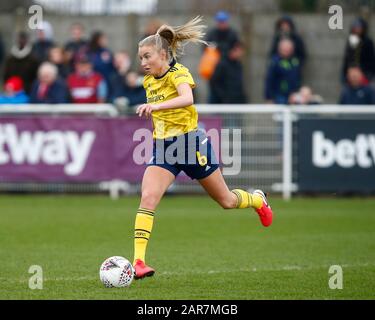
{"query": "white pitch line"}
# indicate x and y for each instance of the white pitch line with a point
(254, 269)
(169, 273)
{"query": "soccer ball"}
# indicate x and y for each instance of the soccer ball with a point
(116, 272)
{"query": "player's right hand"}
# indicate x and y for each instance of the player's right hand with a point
(145, 109)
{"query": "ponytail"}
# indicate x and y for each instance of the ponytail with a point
(172, 39)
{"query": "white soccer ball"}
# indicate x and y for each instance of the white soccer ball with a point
(116, 272)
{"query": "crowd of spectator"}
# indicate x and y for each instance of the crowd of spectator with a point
(287, 57)
(85, 70)
(80, 71)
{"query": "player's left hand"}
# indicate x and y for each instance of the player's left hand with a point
(146, 109)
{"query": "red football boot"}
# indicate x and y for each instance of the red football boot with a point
(265, 212)
(141, 270)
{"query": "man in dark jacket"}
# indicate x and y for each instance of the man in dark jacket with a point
(44, 41)
(359, 51)
(355, 92)
(48, 88)
(227, 80)
(224, 38)
(129, 88)
(286, 29)
(101, 57)
(283, 75)
(76, 44)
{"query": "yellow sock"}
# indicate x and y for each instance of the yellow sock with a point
(143, 226)
(247, 200)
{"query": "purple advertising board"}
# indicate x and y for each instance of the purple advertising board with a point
(78, 149)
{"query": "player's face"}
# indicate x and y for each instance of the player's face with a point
(152, 61)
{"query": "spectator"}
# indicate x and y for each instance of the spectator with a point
(2, 50)
(283, 75)
(56, 55)
(14, 92)
(122, 63)
(227, 80)
(305, 96)
(21, 62)
(130, 91)
(223, 37)
(359, 51)
(86, 85)
(48, 88)
(100, 56)
(44, 41)
(76, 44)
(127, 86)
(355, 91)
(286, 29)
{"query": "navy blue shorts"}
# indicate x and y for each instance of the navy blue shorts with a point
(191, 152)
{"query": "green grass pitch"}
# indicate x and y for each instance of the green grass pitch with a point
(199, 250)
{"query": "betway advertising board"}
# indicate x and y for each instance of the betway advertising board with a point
(77, 149)
(336, 155)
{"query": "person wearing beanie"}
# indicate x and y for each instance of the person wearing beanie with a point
(359, 51)
(224, 38)
(285, 28)
(13, 92)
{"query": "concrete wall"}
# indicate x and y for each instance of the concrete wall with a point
(325, 47)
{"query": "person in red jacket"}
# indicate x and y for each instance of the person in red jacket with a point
(86, 85)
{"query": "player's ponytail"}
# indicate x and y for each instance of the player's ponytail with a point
(172, 39)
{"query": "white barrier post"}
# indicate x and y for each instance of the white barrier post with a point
(287, 153)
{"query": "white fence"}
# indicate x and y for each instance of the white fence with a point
(268, 140)
(105, 109)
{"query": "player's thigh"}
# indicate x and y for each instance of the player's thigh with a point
(156, 181)
(217, 188)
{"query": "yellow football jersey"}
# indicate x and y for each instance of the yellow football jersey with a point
(170, 122)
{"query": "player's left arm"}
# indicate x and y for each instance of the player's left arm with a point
(185, 98)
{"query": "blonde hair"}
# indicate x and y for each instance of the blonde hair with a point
(173, 39)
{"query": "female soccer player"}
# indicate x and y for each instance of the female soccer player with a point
(168, 86)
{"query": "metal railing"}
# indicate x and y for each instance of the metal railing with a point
(268, 136)
(284, 115)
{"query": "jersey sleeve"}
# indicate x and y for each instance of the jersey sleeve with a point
(182, 76)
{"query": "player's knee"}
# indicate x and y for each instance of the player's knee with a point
(149, 199)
